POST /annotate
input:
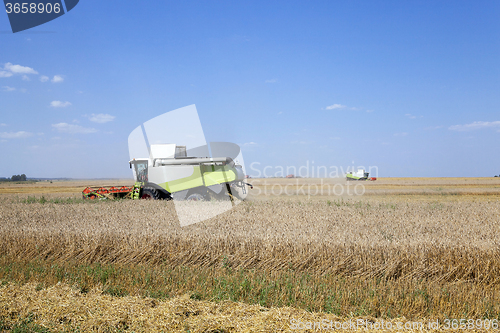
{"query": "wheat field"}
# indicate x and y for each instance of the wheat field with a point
(415, 249)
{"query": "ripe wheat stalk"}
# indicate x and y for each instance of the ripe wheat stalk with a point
(454, 241)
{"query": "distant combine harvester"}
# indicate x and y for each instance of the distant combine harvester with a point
(361, 174)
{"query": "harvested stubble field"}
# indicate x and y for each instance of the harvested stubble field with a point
(410, 255)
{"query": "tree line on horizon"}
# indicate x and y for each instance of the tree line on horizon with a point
(15, 178)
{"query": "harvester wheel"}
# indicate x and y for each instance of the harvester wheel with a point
(195, 197)
(149, 193)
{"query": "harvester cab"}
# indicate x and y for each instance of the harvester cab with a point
(140, 169)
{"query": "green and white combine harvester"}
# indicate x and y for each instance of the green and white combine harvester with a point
(359, 175)
(169, 173)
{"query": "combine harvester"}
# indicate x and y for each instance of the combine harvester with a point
(359, 175)
(169, 173)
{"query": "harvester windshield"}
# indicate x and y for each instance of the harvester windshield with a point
(141, 170)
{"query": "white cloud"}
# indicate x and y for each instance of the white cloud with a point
(341, 106)
(401, 134)
(15, 135)
(5, 74)
(250, 143)
(73, 129)
(272, 81)
(369, 111)
(2, 125)
(59, 104)
(44, 78)
(26, 78)
(281, 112)
(7, 88)
(18, 69)
(430, 128)
(335, 106)
(57, 79)
(410, 116)
(101, 118)
(475, 126)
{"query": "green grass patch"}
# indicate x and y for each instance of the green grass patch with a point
(43, 200)
(25, 325)
(343, 296)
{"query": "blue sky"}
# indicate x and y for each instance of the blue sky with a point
(409, 87)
